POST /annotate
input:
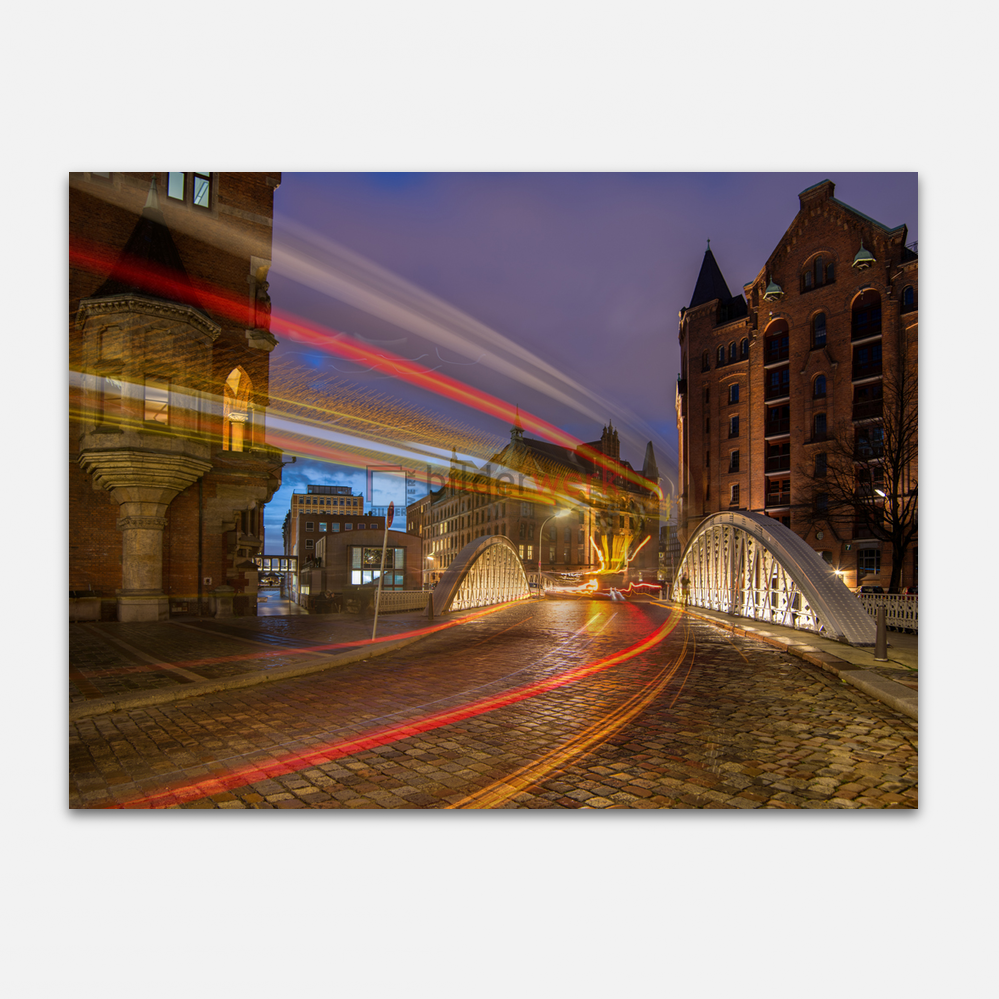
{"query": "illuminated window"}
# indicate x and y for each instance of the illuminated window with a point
(110, 398)
(868, 560)
(236, 425)
(157, 400)
(322, 525)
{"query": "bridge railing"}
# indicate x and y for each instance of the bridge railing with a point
(901, 609)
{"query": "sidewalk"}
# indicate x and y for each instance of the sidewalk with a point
(895, 682)
(114, 665)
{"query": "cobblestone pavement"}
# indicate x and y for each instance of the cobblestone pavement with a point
(540, 705)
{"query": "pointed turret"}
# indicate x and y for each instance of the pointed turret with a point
(517, 431)
(710, 283)
(149, 263)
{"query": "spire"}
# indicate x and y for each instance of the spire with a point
(517, 431)
(149, 263)
(710, 283)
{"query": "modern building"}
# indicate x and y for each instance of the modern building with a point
(567, 511)
(169, 344)
(792, 397)
(318, 505)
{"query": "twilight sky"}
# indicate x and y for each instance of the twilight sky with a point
(555, 292)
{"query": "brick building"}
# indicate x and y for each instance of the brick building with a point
(169, 345)
(790, 395)
(608, 508)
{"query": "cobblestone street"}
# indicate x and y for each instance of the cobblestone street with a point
(541, 705)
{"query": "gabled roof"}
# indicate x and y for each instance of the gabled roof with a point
(149, 263)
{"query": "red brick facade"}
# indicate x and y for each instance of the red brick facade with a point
(128, 338)
(770, 381)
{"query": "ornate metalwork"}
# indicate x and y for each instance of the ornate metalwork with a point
(486, 571)
(749, 565)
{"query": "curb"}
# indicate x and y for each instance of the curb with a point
(897, 696)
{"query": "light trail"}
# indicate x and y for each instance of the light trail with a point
(185, 792)
(503, 790)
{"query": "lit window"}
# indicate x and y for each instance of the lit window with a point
(868, 560)
(157, 400)
(322, 525)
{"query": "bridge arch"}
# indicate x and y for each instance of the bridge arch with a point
(486, 571)
(749, 565)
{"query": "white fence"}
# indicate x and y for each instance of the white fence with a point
(402, 600)
(901, 610)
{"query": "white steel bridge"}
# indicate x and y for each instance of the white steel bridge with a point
(752, 566)
(486, 571)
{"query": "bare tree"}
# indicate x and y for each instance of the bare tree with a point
(864, 484)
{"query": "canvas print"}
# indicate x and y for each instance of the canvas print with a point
(493, 490)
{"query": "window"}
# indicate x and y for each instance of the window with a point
(866, 315)
(867, 360)
(348, 526)
(819, 272)
(908, 298)
(721, 356)
(309, 544)
(322, 525)
(733, 461)
(734, 501)
(157, 400)
(778, 383)
(310, 525)
(819, 387)
(197, 186)
(374, 527)
(868, 401)
(819, 427)
(778, 457)
(868, 560)
(733, 426)
(820, 464)
(707, 395)
(567, 535)
(551, 553)
(870, 442)
(335, 526)
(526, 510)
(819, 330)
(732, 351)
(821, 504)
(826, 557)
(775, 347)
(705, 361)
(523, 531)
(530, 551)
(236, 393)
(733, 393)
(110, 398)
(520, 550)
(744, 348)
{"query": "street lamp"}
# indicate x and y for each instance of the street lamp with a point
(554, 516)
(427, 575)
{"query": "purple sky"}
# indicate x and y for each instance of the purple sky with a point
(582, 272)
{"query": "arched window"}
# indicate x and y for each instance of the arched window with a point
(721, 355)
(866, 315)
(731, 351)
(705, 362)
(908, 298)
(236, 426)
(819, 387)
(819, 427)
(819, 330)
(744, 348)
(818, 272)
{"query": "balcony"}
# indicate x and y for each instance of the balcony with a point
(779, 463)
(776, 498)
(774, 428)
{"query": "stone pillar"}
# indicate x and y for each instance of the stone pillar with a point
(141, 597)
(223, 600)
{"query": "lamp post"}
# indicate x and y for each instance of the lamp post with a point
(554, 516)
(427, 577)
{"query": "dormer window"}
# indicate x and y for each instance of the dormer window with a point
(194, 188)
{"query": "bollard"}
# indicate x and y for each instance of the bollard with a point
(430, 605)
(881, 641)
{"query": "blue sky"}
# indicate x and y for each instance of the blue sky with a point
(557, 292)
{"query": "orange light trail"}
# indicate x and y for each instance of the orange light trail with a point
(509, 787)
(286, 763)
